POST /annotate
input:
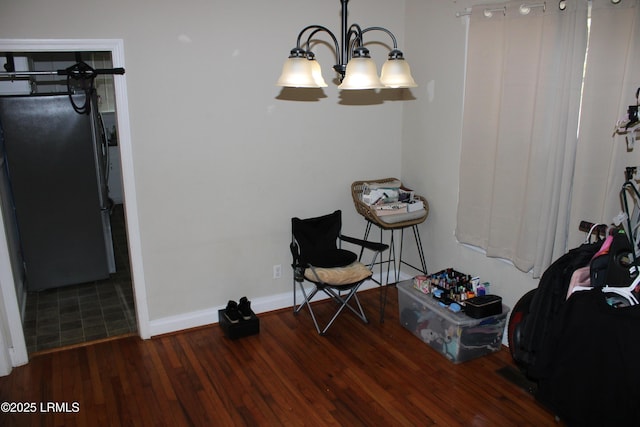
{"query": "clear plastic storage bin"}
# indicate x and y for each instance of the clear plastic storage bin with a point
(455, 335)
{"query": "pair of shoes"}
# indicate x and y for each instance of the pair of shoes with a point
(237, 311)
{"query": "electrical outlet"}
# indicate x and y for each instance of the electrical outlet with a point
(277, 271)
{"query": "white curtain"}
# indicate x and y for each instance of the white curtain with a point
(519, 136)
(611, 79)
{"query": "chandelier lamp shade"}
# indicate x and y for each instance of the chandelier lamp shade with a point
(354, 65)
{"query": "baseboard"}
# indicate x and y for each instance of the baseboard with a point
(209, 316)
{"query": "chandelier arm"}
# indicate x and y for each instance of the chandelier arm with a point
(317, 29)
(393, 38)
(356, 30)
(353, 39)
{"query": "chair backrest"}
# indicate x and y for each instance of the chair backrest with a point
(317, 240)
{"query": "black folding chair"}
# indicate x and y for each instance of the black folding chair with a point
(319, 260)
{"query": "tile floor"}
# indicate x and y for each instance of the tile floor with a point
(85, 312)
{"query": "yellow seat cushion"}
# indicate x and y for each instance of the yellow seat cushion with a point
(347, 275)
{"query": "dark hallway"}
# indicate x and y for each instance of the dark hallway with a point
(86, 312)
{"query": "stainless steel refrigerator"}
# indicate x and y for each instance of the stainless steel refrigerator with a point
(55, 196)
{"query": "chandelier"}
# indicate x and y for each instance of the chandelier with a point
(354, 65)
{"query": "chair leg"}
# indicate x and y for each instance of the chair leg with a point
(383, 302)
(392, 254)
(383, 296)
(307, 298)
(423, 262)
(344, 302)
(294, 295)
(366, 236)
(391, 258)
(307, 302)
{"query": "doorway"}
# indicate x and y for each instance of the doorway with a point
(16, 298)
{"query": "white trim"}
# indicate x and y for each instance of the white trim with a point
(130, 199)
(7, 285)
(209, 316)
(14, 345)
(5, 357)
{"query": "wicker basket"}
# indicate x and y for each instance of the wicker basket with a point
(367, 212)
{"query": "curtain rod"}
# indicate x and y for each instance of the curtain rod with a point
(525, 8)
(59, 72)
(80, 70)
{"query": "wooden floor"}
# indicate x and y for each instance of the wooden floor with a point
(359, 374)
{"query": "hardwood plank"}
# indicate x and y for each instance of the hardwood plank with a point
(210, 394)
(358, 375)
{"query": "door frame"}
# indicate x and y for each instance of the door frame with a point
(16, 345)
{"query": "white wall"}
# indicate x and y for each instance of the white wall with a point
(221, 161)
